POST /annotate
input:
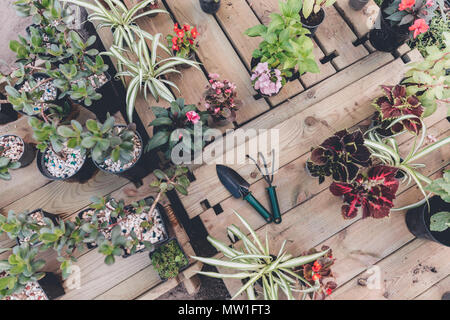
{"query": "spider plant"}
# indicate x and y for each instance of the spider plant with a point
(120, 19)
(387, 151)
(255, 263)
(147, 71)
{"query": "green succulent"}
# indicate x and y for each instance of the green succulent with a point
(5, 165)
(168, 259)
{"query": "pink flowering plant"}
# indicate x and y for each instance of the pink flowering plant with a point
(176, 125)
(220, 99)
(267, 81)
(416, 14)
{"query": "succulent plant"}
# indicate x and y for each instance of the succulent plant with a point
(440, 221)
(5, 165)
(373, 192)
(397, 103)
(339, 156)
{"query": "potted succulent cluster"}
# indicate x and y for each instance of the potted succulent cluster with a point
(220, 100)
(304, 275)
(432, 220)
(312, 13)
(169, 259)
(398, 20)
(210, 6)
(285, 36)
(175, 127)
(14, 154)
(183, 42)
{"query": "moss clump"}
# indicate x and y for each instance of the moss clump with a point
(169, 259)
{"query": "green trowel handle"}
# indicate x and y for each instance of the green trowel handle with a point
(258, 206)
(274, 203)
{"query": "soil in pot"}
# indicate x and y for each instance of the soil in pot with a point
(169, 259)
(69, 165)
(313, 21)
(210, 6)
(7, 112)
(14, 148)
(358, 4)
(155, 235)
(418, 221)
(38, 216)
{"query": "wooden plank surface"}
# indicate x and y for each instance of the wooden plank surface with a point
(437, 291)
(218, 55)
(334, 35)
(263, 9)
(363, 20)
(300, 132)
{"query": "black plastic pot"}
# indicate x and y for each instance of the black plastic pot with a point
(29, 152)
(136, 172)
(162, 244)
(51, 216)
(313, 22)
(59, 102)
(357, 4)
(7, 112)
(83, 174)
(52, 286)
(101, 107)
(418, 221)
(388, 38)
(210, 6)
(164, 222)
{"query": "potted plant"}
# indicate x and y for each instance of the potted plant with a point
(47, 288)
(16, 150)
(147, 74)
(357, 4)
(312, 13)
(5, 165)
(176, 125)
(399, 19)
(210, 6)
(340, 156)
(220, 100)
(267, 82)
(25, 225)
(183, 42)
(7, 113)
(254, 262)
(286, 36)
(394, 104)
(432, 220)
(169, 259)
(61, 155)
(115, 149)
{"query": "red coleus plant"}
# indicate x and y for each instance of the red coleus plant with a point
(339, 156)
(319, 270)
(396, 103)
(183, 42)
(373, 192)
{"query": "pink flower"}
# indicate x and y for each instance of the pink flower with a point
(193, 116)
(214, 76)
(216, 110)
(263, 79)
(419, 26)
(429, 3)
(406, 4)
(227, 91)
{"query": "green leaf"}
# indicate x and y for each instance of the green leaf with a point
(256, 31)
(440, 221)
(159, 139)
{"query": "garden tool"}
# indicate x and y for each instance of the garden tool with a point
(270, 189)
(238, 187)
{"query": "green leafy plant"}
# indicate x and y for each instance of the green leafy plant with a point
(148, 71)
(434, 37)
(285, 44)
(255, 263)
(174, 124)
(440, 221)
(386, 150)
(428, 79)
(314, 6)
(46, 134)
(168, 259)
(108, 140)
(173, 178)
(5, 165)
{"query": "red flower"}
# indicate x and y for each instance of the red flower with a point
(174, 40)
(419, 26)
(406, 4)
(186, 27)
(194, 32)
(180, 33)
(316, 267)
(175, 47)
(329, 291)
(316, 276)
(191, 41)
(176, 27)
(374, 193)
(193, 116)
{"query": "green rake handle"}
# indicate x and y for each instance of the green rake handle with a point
(275, 205)
(259, 207)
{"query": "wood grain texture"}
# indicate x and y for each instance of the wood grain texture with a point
(214, 47)
(363, 20)
(437, 291)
